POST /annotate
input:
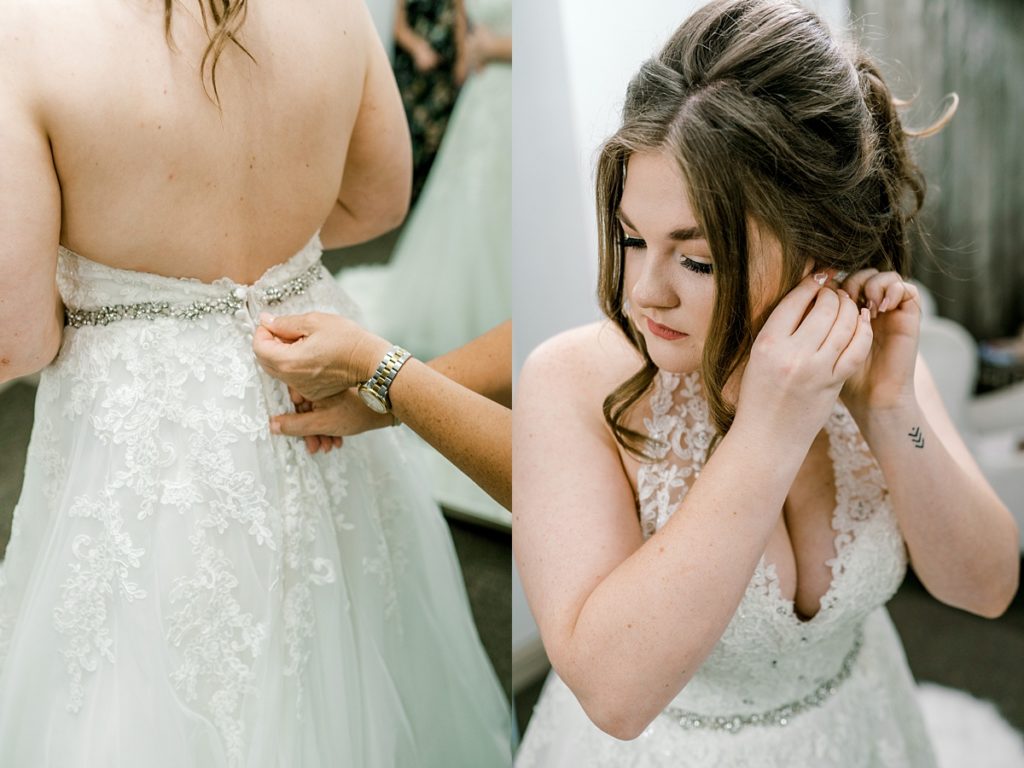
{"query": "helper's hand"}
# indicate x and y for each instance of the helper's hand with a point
(323, 423)
(317, 354)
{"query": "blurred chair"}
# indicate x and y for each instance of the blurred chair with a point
(992, 424)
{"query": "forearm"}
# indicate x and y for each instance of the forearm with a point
(649, 624)
(484, 365)
(501, 50)
(405, 37)
(468, 429)
(963, 542)
(460, 29)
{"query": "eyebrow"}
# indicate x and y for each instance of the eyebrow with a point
(681, 235)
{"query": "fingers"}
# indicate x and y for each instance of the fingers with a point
(856, 353)
(309, 424)
(790, 312)
(844, 327)
(878, 291)
(266, 347)
(816, 326)
(854, 285)
(288, 327)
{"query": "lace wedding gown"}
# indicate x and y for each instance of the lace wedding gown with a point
(183, 588)
(776, 691)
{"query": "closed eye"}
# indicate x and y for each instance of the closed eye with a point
(700, 267)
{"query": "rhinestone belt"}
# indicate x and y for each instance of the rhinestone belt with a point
(226, 304)
(779, 715)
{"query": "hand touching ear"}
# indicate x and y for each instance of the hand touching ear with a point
(886, 380)
(813, 341)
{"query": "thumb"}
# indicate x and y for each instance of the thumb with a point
(286, 328)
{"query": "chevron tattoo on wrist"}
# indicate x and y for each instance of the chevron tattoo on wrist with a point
(916, 437)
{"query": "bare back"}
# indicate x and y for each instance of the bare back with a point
(153, 176)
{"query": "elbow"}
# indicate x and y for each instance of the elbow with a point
(610, 707)
(991, 596)
(14, 366)
(394, 217)
(1001, 598)
(623, 726)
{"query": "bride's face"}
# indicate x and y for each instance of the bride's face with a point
(668, 267)
(668, 271)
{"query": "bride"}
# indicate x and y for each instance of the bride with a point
(182, 587)
(718, 488)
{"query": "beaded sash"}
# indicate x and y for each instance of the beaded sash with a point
(230, 302)
(780, 715)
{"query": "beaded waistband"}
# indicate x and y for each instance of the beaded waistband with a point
(779, 716)
(229, 303)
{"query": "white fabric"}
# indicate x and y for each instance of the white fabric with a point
(768, 657)
(968, 732)
(183, 588)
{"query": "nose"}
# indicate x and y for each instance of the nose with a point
(653, 289)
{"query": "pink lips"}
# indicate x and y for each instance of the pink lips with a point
(663, 331)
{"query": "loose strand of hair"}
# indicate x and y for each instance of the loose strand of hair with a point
(228, 16)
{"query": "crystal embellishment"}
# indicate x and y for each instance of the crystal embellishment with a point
(779, 716)
(226, 304)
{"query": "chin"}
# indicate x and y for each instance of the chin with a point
(680, 357)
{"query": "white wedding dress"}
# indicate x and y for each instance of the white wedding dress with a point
(776, 691)
(183, 588)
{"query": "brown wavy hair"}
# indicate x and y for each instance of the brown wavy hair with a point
(221, 19)
(773, 122)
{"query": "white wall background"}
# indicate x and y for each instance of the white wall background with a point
(573, 61)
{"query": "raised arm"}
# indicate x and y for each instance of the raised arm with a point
(377, 180)
(31, 313)
(626, 623)
(962, 540)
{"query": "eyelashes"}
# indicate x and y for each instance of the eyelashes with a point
(700, 267)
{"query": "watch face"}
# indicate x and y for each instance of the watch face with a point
(372, 400)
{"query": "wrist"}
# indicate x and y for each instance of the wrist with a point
(878, 422)
(786, 440)
(367, 355)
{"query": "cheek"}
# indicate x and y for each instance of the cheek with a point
(630, 274)
(704, 303)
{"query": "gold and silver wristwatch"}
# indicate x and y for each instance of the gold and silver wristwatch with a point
(374, 391)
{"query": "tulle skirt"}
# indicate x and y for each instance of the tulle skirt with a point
(183, 588)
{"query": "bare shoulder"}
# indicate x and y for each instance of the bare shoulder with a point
(16, 32)
(592, 359)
